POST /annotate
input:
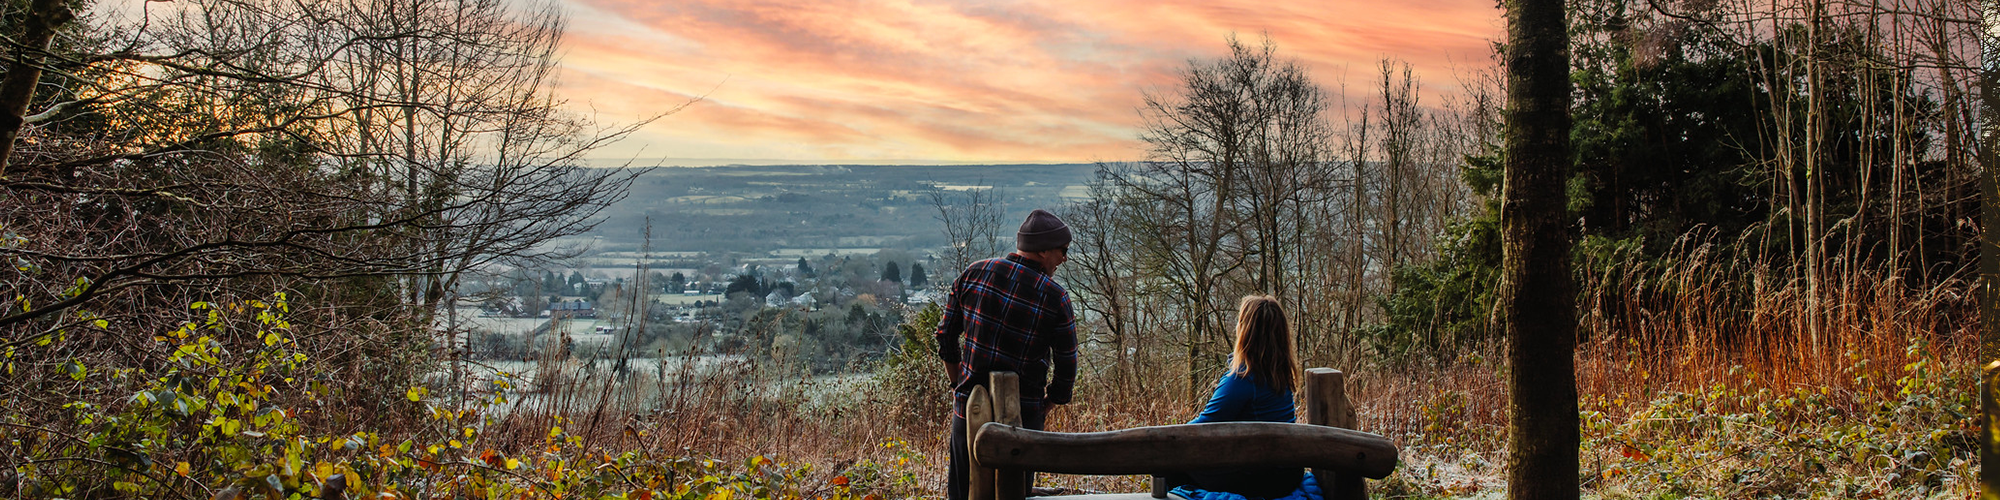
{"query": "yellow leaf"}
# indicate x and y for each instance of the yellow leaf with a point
(513, 464)
(181, 468)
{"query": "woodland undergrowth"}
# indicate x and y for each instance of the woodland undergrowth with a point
(1693, 390)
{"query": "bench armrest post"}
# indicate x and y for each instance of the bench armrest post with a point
(978, 411)
(1008, 484)
(1327, 404)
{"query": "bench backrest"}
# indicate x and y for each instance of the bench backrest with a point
(1339, 456)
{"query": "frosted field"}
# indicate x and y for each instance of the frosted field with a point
(472, 321)
(818, 252)
(675, 299)
(645, 369)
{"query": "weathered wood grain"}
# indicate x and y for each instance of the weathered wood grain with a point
(1184, 448)
(1009, 483)
(978, 413)
(1327, 404)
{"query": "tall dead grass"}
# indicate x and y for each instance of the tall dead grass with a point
(1696, 321)
(1698, 324)
(1699, 320)
(694, 404)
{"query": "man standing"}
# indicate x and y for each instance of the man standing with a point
(1013, 317)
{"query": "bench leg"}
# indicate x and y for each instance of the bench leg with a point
(1010, 484)
(1162, 485)
(1347, 487)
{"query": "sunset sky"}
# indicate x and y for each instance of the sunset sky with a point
(848, 81)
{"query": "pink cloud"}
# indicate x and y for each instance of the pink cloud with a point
(1029, 80)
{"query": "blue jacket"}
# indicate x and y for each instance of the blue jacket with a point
(1238, 398)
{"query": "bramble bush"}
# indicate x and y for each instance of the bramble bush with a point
(216, 423)
(1723, 441)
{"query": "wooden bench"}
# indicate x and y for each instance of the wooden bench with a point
(1338, 456)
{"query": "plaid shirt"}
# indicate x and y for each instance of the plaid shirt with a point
(1014, 318)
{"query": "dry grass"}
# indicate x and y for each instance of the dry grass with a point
(1666, 344)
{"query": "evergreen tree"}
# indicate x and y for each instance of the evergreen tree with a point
(1665, 145)
(805, 268)
(917, 277)
(892, 273)
(746, 283)
(856, 315)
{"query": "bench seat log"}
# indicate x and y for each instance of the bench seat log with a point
(1108, 496)
(1184, 448)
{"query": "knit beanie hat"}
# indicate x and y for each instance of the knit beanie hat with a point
(1042, 231)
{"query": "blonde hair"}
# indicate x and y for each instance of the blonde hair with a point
(1264, 343)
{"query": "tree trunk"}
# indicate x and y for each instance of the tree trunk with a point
(1989, 258)
(1537, 295)
(25, 71)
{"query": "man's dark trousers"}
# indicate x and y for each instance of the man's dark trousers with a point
(958, 482)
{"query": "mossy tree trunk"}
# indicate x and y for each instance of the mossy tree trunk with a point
(24, 69)
(1537, 294)
(1989, 255)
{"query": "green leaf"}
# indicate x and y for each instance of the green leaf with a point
(75, 370)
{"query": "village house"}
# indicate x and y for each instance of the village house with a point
(571, 309)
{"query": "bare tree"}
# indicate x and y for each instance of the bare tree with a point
(284, 107)
(1099, 277)
(1249, 187)
(217, 150)
(1234, 155)
(972, 227)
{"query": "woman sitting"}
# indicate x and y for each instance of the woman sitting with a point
(1256, 388)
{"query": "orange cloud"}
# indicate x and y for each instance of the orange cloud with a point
(1026, 80)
